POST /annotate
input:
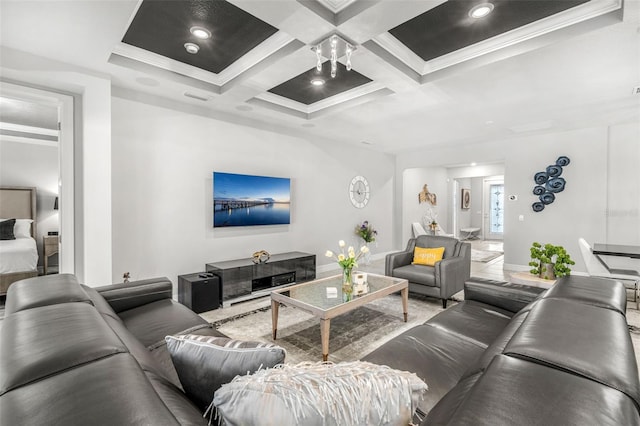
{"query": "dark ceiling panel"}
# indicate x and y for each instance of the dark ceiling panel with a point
(448, 27)
(163, 27)
(300, 89)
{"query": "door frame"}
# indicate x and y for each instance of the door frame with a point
(66, 203)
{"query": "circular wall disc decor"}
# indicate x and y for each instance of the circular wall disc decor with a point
(549, 183)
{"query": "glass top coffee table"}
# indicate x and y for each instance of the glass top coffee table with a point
(316, 298)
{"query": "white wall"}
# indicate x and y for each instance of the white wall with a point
(603, 161)
(33, 164)
(162, 164)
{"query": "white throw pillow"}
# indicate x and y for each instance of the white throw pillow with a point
(348, 393)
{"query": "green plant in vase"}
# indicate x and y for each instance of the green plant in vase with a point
(549, 261)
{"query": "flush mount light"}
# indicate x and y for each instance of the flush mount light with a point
(333, 48)
(200, 32)
(191, 48)
(317, 81)
(481, 10)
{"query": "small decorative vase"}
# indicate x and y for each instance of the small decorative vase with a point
(547, 271)
(347, 285)
(366, 258)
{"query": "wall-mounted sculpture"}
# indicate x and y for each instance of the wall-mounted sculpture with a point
(427, 197)
(549, 183)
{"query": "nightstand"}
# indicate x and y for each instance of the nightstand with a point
(50, 247)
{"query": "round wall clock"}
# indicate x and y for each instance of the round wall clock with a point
(359, 191)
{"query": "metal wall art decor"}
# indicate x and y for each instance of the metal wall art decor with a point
(427, 197)
(549, 183)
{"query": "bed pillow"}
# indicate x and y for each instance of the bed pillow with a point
(427, 256)
(204, 363)
(7, 229)
(22, 228)
(347, 393)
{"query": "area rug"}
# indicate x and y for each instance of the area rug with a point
(352, 335)
(484, 255)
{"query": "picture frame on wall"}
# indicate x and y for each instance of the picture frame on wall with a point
(465, 199)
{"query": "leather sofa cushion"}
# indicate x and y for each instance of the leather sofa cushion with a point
(133, 345)
(583, 339)
(514, 391)
(606, 293)
(497, 346)
(420, 274)
(441, 412)
(180, 406)
(40, 342)
(110, 391)
(44, 291)
(435, 355)
(150, 323)
(98, 301)
(477, 322)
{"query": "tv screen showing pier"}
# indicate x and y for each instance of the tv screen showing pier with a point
(247, 200)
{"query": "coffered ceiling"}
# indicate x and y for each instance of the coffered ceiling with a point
(416, 65)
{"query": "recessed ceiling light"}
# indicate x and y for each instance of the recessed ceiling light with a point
(474, 164)
(191, 48)
(317, 81)
(200, 32)
(481, 10)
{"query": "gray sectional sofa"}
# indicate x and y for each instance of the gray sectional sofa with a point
(507, 355)
(75, 355)
(511, 355)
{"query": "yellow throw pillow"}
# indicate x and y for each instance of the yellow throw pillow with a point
(427, 256)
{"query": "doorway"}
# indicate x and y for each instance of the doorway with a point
(493, 208)
(58, 195)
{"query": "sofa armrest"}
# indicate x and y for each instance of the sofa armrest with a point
(505, 295)
(130, 295)
(451, 274)
(397, 259)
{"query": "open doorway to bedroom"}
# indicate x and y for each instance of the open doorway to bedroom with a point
(36, 151)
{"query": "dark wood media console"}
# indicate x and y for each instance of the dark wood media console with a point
(242, 279)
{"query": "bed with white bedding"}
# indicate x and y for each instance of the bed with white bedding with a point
(19, 256)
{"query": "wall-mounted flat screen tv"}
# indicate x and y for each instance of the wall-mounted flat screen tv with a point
(247, 200)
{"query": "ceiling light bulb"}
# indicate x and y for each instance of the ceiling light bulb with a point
(481, 10)
(191, 48)
(317, 82)
(200, 32)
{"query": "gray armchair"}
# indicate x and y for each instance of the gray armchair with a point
(444, 279)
